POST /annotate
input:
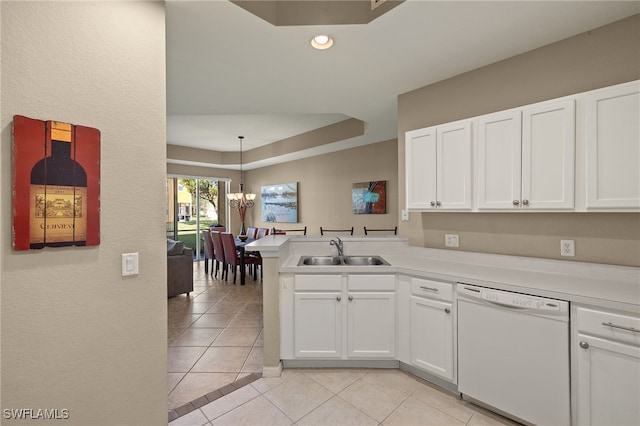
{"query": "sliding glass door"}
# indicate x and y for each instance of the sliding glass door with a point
(192, 205)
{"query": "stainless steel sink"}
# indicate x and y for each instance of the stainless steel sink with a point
(364, 260)
(341, 260)
(320, 260)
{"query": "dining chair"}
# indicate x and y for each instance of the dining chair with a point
(341, 231)
(275, 231)
(393, 230)
(208, 250)
(217, 227)
(251, 232)
(218, 254)
(255, 257)
(232, 258)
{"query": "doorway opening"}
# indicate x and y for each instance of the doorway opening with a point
(193, 204)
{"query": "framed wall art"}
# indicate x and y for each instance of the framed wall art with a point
(280, 203)
(56, 184)
(369, 197)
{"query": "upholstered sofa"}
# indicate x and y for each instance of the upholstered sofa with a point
(179, 268)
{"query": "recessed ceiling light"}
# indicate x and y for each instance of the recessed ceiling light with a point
(322, 42)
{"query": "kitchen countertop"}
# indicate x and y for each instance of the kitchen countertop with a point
(608, 286)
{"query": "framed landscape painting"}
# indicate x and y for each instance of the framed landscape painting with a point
(369, 197)
(280, 203)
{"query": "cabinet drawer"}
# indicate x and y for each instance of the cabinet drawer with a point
(432, 289)
(318, 282)
(372, 283)
(614, 326)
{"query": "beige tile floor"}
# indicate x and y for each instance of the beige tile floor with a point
(329, 397)
(215, 338)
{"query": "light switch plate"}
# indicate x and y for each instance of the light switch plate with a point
(129, 264)
(405, 215)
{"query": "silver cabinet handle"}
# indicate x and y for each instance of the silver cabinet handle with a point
(350, 298)
(584, 345)
(338, 298)
(429, 288)
(438, 203)
(516, 202)
(433, 204)
(447, 310)
(525, 202)
(621, 327)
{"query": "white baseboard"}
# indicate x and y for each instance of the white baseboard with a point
(272, 371)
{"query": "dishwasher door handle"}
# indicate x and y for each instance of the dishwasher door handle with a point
(506, 305)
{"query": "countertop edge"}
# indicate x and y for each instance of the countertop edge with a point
(576, 289)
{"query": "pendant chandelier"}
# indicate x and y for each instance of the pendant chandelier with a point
(240, 200)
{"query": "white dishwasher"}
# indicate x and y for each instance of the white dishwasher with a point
(513, 354)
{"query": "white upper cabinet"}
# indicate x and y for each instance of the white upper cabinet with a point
(420, 154)
(548, 155)
(453, 168)
(576, 153)
(438, 162)
(612, 135)
(499, 159)
(526, 157)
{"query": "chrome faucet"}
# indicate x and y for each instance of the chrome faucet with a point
(338, 245)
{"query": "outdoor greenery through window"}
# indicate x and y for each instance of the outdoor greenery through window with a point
(192, 205)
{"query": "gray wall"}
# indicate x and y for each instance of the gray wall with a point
(602, 57)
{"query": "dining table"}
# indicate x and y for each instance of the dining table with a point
(241, 252)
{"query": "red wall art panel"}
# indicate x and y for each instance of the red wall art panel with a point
(56, 184)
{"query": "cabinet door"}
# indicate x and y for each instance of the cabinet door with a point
(613, 147)
(371, 325)
(608, 388)
(420, 154)
(548, 155)
(453, 181)
(499, 160)
(432, 336)
(317, 328)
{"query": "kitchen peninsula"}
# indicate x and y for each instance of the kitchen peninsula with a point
(605, 291)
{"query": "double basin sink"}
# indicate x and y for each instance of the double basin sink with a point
(341, 260)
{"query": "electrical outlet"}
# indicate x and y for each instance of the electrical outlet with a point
(405, 215)
(567, 248)
(451, 240)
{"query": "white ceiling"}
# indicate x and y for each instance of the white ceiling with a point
(230, 73)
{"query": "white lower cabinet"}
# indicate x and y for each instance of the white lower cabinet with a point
(432, 327)
(371, 316)
(606, 367)
(336, 316)
(318, 324)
